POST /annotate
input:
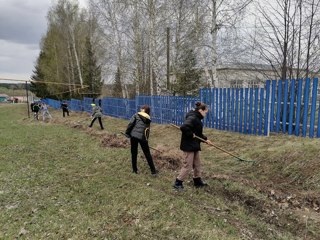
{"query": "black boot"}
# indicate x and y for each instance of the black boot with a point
(198, 183)
(178, 184)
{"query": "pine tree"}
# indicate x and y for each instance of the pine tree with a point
(117, 89)
(188, 77)
(38, 87)
(91, 72)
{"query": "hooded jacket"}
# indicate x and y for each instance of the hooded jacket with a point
(192, 125)
(139, 126)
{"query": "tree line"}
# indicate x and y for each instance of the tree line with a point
(154, 47)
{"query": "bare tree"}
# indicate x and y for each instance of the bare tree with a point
(286, 36)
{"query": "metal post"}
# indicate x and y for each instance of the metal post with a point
(27, 99)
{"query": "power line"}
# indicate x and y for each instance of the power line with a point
(39, 82)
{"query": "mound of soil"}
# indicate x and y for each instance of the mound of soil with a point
(113, 140)
(167, 158)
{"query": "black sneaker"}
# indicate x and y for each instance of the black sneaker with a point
(198, 183)
(178, 185)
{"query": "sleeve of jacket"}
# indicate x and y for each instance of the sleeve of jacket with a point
(94, 110)
(131, 125)
(204, 137)
(187, 128)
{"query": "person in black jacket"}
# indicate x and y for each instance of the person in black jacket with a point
(65, 109)
(138, 131)
(35, 107)
(190, 146)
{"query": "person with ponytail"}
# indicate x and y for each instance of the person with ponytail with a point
(190, 145)
(138, 131)
(96, 113)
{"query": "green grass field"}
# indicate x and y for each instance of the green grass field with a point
(60, 182)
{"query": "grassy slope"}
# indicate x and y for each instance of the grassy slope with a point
(60, 182)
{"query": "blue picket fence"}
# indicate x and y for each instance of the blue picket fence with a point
(290, 107)
(164, 109)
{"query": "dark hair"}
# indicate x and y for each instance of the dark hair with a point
(146, 109)
(200, 105)
(100, 102)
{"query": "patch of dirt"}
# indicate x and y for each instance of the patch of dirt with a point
(114, 140)
(165, 157)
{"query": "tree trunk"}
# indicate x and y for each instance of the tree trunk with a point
(214, 30)
(76, 56)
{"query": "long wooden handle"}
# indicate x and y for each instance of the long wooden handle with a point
(211, 144)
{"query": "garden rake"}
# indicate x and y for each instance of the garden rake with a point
(149, 146)
(221, 149)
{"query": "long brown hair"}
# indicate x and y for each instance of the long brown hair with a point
(200, 105)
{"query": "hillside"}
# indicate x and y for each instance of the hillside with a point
(86, 189)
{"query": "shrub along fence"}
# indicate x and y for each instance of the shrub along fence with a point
(290, 107)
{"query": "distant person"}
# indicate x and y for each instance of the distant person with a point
(138, 131)
(65, 109)
(35, 108)
(45, 112)
(190, 146)
(31, 106)
(96, 114)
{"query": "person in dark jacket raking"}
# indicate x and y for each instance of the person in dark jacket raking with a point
(190, 146)
(138, 131)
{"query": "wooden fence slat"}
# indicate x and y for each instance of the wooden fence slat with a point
(237, 110)
(279, 104)
(228, 109)
(213, 115)
(232, 109)
(261, 110)
(255, 118)
(273, 100)
(220, 110)
(241, 110)
(224, 109)
(305, 107)
(297, 125)
(217, 108)
(250, 110)
(313, 106)
(292, 96)
(285, 106)
(318, 125)
(245, 115)
(266, 115)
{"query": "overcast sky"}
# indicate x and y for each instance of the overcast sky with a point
(22, 25)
